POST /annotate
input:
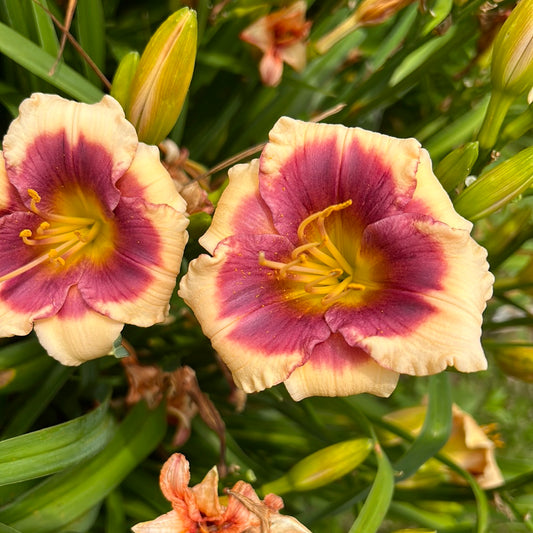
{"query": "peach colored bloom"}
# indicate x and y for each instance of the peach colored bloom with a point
(468, 446)
(92, 228)
(200, 510)
(338, 263)
(281, 37)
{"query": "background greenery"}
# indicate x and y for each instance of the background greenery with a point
(423, 72)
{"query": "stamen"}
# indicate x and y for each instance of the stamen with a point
(68, 236)
(318, 265)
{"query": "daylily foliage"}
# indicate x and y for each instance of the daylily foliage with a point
(338, 263)
(92, 228)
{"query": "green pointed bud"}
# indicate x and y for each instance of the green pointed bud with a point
(512, 56)
(515, 360)
(512, 69)
(456, 166)
(163, 77)
(322, 467)
(496, 187)
(121, 86)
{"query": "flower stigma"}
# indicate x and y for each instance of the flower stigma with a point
(318, 263)
(61, 235)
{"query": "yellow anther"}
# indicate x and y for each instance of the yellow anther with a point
(54, 256)
(43, 226)
(34, 195)
(25, 233)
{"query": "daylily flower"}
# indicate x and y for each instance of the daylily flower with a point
(199, 509)
(92, 229)
(469, 446)
(338, 262)
(281, 37)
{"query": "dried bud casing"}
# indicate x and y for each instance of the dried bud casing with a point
(163, 77)
(322, 467)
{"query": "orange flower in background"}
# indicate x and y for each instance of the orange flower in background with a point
(281, 36)
(199, 509)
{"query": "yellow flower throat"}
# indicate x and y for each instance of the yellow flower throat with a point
(318, 265)
(62, 236)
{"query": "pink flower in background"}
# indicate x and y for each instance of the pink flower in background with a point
(199, 509)
(337, 263)
(92, 229)
(281, 37)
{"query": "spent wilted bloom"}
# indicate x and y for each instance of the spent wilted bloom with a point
(469, 446)
(92, 229)
(338, 263)
(199, 508)
(281, 37)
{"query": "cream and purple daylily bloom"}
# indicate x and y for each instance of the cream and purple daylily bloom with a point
(92, 229)
(338, 263)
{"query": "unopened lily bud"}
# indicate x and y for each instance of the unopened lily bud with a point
(512, 69)
(456, 166)
(515, 360)
(497, 187)
(322, 467)
(368, 13)
(121, 86)
(512, 57)
(163, 77)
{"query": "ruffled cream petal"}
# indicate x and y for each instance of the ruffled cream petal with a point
(141, 294)
(77, 333)
(240, 209)
(431, 199)
(254, 367)
(450, 334)
(337, 369)
(102, 123)
(148, 179)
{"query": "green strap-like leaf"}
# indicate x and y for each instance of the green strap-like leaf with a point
(435, 431)
(55, 448)
(33, 58)
(379, 498)
(65, 496)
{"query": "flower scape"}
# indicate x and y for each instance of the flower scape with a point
(338, 263)
(91, 224)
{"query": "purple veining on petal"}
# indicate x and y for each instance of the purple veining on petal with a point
(53, 166)
(253, 295)
(74, 305)
(318, 175)
(127, 270)
(405, 263)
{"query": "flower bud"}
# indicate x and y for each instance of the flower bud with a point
(162, 78)
(120, 89)
(512, 69)
(322, 467)
(456, 166)
(512, 57)
(515, 360)
(495, 188)
(368, 13)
